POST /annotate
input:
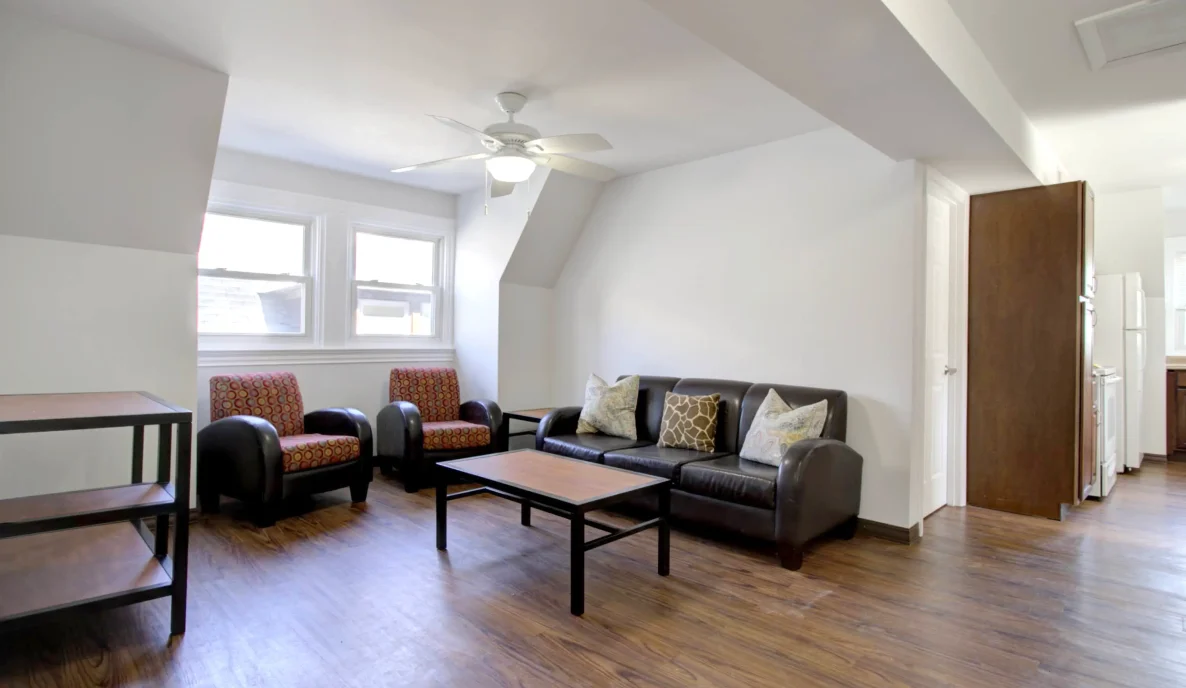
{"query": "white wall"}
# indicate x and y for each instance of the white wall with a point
(107, 156)
(795, 262)
(525, 349)
(85, 318)
(259, 170)
(1130, 237)
(486, 239)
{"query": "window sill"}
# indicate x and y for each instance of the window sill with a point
(228, 358)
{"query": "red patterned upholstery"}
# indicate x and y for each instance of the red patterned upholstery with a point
(274, 397)
(455, 434)
(302, 452)
(433, 390)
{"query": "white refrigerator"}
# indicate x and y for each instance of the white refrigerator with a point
(1120, 344)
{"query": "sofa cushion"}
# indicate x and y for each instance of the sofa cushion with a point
(731, 479)
(835, 425)
(664, 462)
(587, 447)
(435, 392)
(302, 452)
(454, 434)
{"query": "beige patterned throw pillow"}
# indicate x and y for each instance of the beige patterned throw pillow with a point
(689, 422)
(610, 408)
(777, 426)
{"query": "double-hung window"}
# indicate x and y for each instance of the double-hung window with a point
(396, 284)
(254, 277)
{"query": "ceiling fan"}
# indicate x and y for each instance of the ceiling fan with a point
(514, 149)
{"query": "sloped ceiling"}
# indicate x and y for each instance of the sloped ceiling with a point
(856, 63)
(552, 230)
(103, 144)
(346, 84)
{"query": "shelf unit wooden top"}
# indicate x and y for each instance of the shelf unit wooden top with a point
(51, 412)
(533, 414)
(570, 480)
(70, 567)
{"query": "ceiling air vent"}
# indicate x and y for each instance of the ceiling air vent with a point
(1137, 29)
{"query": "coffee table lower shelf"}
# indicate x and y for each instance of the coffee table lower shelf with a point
(83, 568)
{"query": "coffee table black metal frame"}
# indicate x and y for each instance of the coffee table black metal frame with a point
(564, 508)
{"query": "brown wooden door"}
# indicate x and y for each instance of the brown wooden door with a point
(1027, 361)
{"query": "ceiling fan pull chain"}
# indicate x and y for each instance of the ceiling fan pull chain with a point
(486, 184)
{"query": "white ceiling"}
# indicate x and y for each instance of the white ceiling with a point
(1123, 126)
(346, 84)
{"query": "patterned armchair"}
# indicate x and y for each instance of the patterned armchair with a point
(426, 423)
(261, 447)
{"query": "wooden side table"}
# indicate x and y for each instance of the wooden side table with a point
(527, 415)
(90, 549)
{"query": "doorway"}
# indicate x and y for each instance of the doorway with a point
(943, 474)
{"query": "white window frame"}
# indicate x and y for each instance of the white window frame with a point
(440, 292)
(229, 341)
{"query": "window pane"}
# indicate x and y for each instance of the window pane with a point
(394, 260)
(247, 244)
(240, 306)
(393, 312)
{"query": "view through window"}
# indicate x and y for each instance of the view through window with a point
(396, 285)
(252, 276)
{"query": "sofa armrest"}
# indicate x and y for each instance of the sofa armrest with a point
(342, 421)
(483, 412)
(240, 457)
(559, 421)
(399, 431)
(819, 488)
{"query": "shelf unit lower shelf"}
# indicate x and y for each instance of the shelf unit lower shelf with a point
(96, 567)
(41, 513)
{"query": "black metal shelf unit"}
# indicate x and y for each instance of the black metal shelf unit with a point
(91, 549)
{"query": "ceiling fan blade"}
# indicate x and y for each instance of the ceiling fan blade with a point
(581, 168)
(498, 188)
(569, 143)
(485, 138)
(475, 156)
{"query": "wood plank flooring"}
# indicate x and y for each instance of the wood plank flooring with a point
(343, 596)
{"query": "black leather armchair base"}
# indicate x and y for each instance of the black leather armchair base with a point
(240, 457)
(400, 441)
(814, 491)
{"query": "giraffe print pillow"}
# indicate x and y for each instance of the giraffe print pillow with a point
(689, 422)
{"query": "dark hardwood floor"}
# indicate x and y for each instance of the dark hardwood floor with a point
(341, 596)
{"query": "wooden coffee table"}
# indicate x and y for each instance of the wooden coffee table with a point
(565, 487)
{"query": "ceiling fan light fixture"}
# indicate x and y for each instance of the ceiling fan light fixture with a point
(510, 168)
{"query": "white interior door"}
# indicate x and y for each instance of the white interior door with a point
(938, 335)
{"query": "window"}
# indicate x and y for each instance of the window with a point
(1178, 296)
(253, 276)
(396, 284)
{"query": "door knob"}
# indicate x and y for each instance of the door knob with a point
(948, 370)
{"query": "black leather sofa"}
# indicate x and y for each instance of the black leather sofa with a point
(814, 491)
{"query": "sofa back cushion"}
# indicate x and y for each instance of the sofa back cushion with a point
(649, 413)
(836, 424)
(275, 397)
(729, 410)
(434, 391)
